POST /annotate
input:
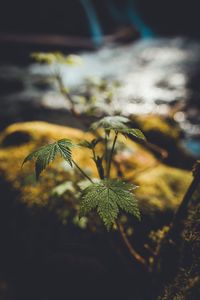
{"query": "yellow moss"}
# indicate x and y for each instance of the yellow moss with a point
(161, 187)
(164, 186)
(42, 130)
(152, 122)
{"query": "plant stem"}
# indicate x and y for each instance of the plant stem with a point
(82, 172)
(67, 95)
(111, 154)
(98, 164)
(94, 154)
(95, 160)
(106, 149)
(137, 257)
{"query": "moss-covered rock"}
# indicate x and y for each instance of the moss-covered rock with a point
(161, 187)
(164, 132)
(158, 127)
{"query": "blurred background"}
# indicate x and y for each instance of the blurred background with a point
(151, 47)
(137, 58)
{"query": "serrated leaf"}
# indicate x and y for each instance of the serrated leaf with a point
(134, 132)
(108, 197)
(46, 154)
(110, 123)
(118, 124)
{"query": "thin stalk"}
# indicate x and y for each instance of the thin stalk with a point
(94, 154)
(106, 149)
(137, 257)
(111, 155)
(67, 95)
(82, 172)
(98, 165)
(95, 160)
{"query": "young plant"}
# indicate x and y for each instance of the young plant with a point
(107, 196)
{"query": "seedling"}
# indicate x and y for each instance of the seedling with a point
(107, 196)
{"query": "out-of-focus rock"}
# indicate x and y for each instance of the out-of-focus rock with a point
(166, 133)
(161, 187)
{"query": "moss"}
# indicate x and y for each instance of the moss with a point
(161, 187)
(185, 280)
(166, 134)
(158, 125)
(165, 186)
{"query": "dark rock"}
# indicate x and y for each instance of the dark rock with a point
(16, 138)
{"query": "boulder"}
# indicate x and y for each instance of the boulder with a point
(165, 132)
(161, 187)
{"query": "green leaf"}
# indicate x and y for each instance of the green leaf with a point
(110, 123)
(135, 133)
(46, 154)
(118, 124)
(108, 197)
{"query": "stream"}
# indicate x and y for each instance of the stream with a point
(157, 75)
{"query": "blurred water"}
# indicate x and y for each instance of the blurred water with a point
(154, 73)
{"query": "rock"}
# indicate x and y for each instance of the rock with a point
(161, 130)
(166, 133)
(161, 187)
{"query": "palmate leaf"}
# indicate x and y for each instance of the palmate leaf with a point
(118, 124)
(110, 122)
(46, 154)
(133, 132)
(108, 197)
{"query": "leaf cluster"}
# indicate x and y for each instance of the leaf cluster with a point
(108, 196)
